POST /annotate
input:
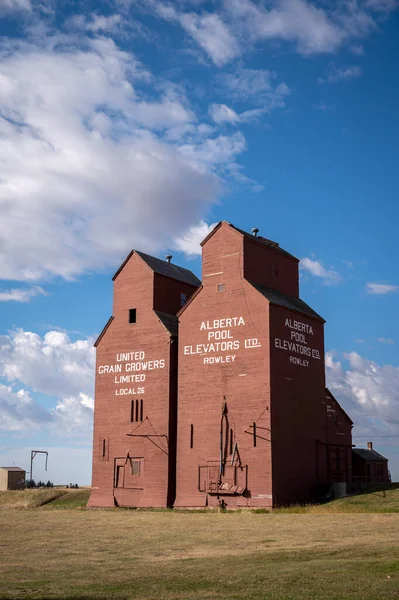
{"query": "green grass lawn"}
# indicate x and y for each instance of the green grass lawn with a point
(125, 554)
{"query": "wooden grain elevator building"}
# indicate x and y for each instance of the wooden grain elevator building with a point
(213, 393)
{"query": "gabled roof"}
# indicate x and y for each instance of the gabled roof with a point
(285, 301)
(13, 469)
(170, 322)
(163, 267)
(328, 393)
(369, 455)
(256, 239)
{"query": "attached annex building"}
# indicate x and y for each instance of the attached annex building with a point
(213, 393)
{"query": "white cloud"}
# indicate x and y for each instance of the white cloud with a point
(48, 365)
(54, 366)
(255, 85)
(102, 23)
(312, 27)
(381, 289)
(368, 391)
(87, 161)
(382, 5)
(383, 340)
(221, 113)
(334, 73)
(21, 295)
(316, 268)
(189, 242)
(10, 5)
(208, 30)
(19, 412)
(298, 21)
(212, 35)
(215, 151)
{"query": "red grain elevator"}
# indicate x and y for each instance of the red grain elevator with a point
(134, 445)
(231, 371)
(252, 413)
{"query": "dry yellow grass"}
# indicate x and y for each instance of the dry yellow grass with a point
(198, 556)
(30, 498)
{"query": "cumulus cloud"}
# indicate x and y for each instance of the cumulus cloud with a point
(381, 289)
(298, 21)
(96, 22)
(88, 161)
(207, 29)
(221, 113)
(47, 364)
(19, 412)
(335, 73)
(312, 27)
(369, 392)
(189, 242)
(215, 151)
(256, 86)
(382, 5)
(52, 365)
(316, 268)
(11, 5)
(21, 294)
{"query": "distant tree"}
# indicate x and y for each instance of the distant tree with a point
(49, 484)
(30, 483)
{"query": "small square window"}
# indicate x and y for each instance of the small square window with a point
(132, 315)
(183, 299)
(221, 287)
(136, 468)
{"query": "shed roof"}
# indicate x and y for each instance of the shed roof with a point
(163, 267)
(12, 469)
(369, 455)
(170, 322)
(285, 301)
(330, 395)
(257, 239)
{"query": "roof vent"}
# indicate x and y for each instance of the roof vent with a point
(255, 231)
(168, 258)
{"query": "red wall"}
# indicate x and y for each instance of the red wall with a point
(241, 380)
(297, 392)
(133, 288)
(167, 294)
(249, 378)
(258, 263)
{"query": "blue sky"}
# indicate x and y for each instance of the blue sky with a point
(140, 124)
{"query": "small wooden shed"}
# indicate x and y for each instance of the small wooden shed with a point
(12, 478)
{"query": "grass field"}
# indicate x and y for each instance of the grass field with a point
(148, 555)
